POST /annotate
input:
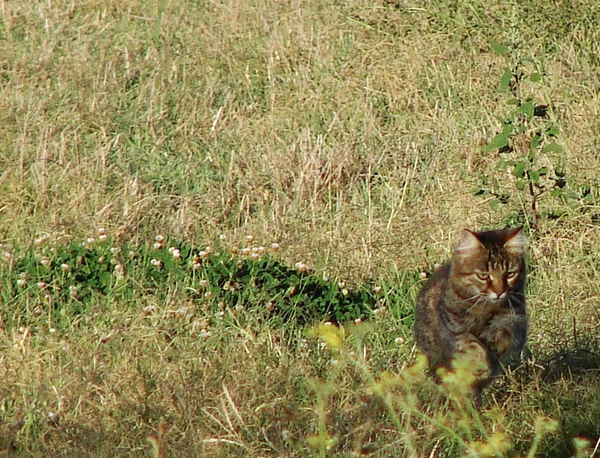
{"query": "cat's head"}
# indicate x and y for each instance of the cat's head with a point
(489, 265)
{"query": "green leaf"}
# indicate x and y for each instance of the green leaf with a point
(535, 141)
(536, 77)
(520, 169)
(532, 156)
(499, 48)
(499, 141)
(527, 109)
(505, 81)
(512, 101)
(105, 279)
(552, 148)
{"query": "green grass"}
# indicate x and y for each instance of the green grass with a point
(351, 133)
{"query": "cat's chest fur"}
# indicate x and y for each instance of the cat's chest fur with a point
(459, 314)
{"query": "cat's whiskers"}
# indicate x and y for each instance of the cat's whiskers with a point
(479, 301)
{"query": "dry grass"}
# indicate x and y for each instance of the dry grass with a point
(352, 133)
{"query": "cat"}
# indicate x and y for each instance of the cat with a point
(473, 307)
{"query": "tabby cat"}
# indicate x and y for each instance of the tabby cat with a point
(474, 306)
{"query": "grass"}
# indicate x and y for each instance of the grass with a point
(350, 133)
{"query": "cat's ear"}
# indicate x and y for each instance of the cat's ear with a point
(515, 242)
(468, 243)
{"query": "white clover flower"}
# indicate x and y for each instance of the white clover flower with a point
(301, 266)
(203, 283)
(377, 289)
(275, 246)
(157, 246)
(90, 240)
(52, 330)
(101, 231)
(208, 294)
(131, 254)
(21, 283)
(246, 251)
(65, 267)
(255, 255)
(204, 254)
(399, 340)
(102, 237)
(358, 320)
(115, 249)
(249, 238)
(176, 254)
(222, 237)
(37, 311)
(156, 263)
(42, 285)
(196, 266)
(159, 239)
(380, 311)
(119, 271)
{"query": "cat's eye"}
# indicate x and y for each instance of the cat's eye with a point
(511, 274)
(482, 275)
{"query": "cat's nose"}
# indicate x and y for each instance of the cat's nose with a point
(496, 295)
(497, 288)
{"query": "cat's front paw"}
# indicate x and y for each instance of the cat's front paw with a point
(473, 353)
(501, 341)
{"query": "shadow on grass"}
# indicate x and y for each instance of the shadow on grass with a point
(570, 379)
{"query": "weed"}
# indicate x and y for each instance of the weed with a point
(528, 143)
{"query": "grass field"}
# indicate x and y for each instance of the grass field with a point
(190, 188)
